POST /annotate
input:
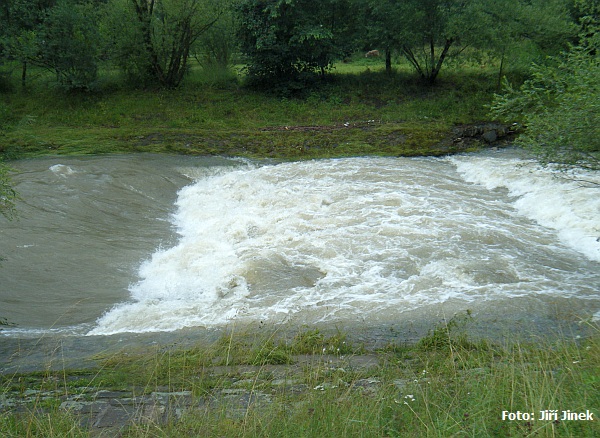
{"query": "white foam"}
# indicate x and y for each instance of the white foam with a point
(557, 201)
(348, 238)
(62, 170)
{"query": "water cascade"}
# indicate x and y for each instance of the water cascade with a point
(373, 240)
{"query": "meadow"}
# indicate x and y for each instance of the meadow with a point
(356, 110)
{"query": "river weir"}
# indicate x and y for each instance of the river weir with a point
(112, 245)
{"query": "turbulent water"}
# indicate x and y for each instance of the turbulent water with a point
(110, 245)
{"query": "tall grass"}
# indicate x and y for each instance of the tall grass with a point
(445, 385)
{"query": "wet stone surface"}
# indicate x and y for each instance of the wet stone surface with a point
(106, 412)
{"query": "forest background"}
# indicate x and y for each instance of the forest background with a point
(68, 66)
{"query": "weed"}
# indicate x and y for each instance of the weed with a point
(450, 335)
(308, 342)
(271, 354)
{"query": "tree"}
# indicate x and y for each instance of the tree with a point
(69, 44)
(425, 31)
(20, 23)
(152, 39)
(215, 48)
(429, 32)
(531, 31)
(285, 40)
(382, 28)
(60, 35)
(560, 105)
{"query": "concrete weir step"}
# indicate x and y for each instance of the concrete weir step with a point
(108, 413)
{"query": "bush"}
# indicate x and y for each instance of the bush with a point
(69, 44)
(560, 106)
(288, 42)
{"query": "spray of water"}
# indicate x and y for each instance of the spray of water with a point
(366, 238)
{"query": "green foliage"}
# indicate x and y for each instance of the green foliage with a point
(425, 31)
(312, 341)
(308, 342)
(270, 353)
(451, 336)
(428, 33)
(54, 425)
(560, 105)
(158, 36)
(287, 41)
(587, 11)
(61, 36)
(69, 44)
(216, 47)
(525, 31)
(122, 38)
(20, 24)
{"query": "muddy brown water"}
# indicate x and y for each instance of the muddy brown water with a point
(122, 252)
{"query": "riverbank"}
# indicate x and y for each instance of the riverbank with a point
(367, 113)
(313, 383)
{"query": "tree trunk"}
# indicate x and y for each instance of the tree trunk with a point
(24, 74)
(431, 69)
(144, 10)
(169, 70)
(438, 66)
(410, 56)
(388, 61)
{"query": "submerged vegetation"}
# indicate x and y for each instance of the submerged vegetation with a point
(316, 384)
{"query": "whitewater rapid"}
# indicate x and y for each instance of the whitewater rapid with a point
(365, 239)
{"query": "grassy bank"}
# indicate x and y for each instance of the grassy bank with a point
(359, 110)
(307, 384)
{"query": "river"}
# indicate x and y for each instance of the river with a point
(109, 245)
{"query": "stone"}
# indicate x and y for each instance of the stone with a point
(490, 136)
(114, 417)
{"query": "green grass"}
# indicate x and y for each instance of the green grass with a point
(358, 110)
(445, 385)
